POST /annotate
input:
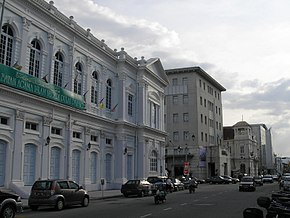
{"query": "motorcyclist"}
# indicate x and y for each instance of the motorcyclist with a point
(160, 195)
(192, 185)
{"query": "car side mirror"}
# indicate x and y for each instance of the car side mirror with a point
(264, 202)
(81, 187)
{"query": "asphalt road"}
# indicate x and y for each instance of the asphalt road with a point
(208, 201)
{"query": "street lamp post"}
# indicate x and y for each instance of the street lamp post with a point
(173, 160)
(186, 151)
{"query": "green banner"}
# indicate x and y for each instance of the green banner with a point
(16, 79)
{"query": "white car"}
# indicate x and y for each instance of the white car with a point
(247, 184)
(267, 179)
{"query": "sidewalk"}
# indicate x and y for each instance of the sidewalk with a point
(94, 195)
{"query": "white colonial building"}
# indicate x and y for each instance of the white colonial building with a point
(244, 150)
(71, 107)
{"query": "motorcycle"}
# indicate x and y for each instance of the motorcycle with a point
(160, 196)
(278, 206)
(191, 188)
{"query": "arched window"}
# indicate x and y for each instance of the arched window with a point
(109, 94)
(154, 114)
(108, 172)
(153, 161)
(58, 69)
(77, 80)
(34, 59)
(29, 167)
(6, 46)
(55, 163)
(76, 162)
(94, 88)
(94, 161)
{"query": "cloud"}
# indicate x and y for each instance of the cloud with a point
(233, 41)
(267, 103)
(136, 35)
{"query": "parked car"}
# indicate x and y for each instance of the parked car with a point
(267, 179)
(235, 180)
(247, 184)
(275, 177)
(228, 179)
(10, 204)
(160, 179)
(177, 184)
(286, 183)
(57, 193)
(199, 181)
(258, 180)
(136, 187)
(154, 179)
(218, 180)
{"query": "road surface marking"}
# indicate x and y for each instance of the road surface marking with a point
(183, 204)
(169, 208)
(204, 204)
(149, 214)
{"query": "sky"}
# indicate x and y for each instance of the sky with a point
(243, 45)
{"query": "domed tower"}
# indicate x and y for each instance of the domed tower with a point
(244, 149)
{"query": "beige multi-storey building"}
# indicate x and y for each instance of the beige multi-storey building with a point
(194, 122)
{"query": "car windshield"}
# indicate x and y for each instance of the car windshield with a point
(247, 179)
(133, 182)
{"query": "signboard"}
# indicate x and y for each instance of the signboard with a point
(186, 168)
(25, 82)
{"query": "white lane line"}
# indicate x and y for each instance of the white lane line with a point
(205, 197)
(169, 208)
(204, 204)
(149, 214)
(183, 204)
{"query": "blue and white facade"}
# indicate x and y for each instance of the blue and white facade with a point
(118, 135)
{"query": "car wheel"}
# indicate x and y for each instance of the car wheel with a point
(125, 195)
(59, 204)
(141, 194)
(34, 208)
(8, 211)
(156, 201)
(85, 202)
